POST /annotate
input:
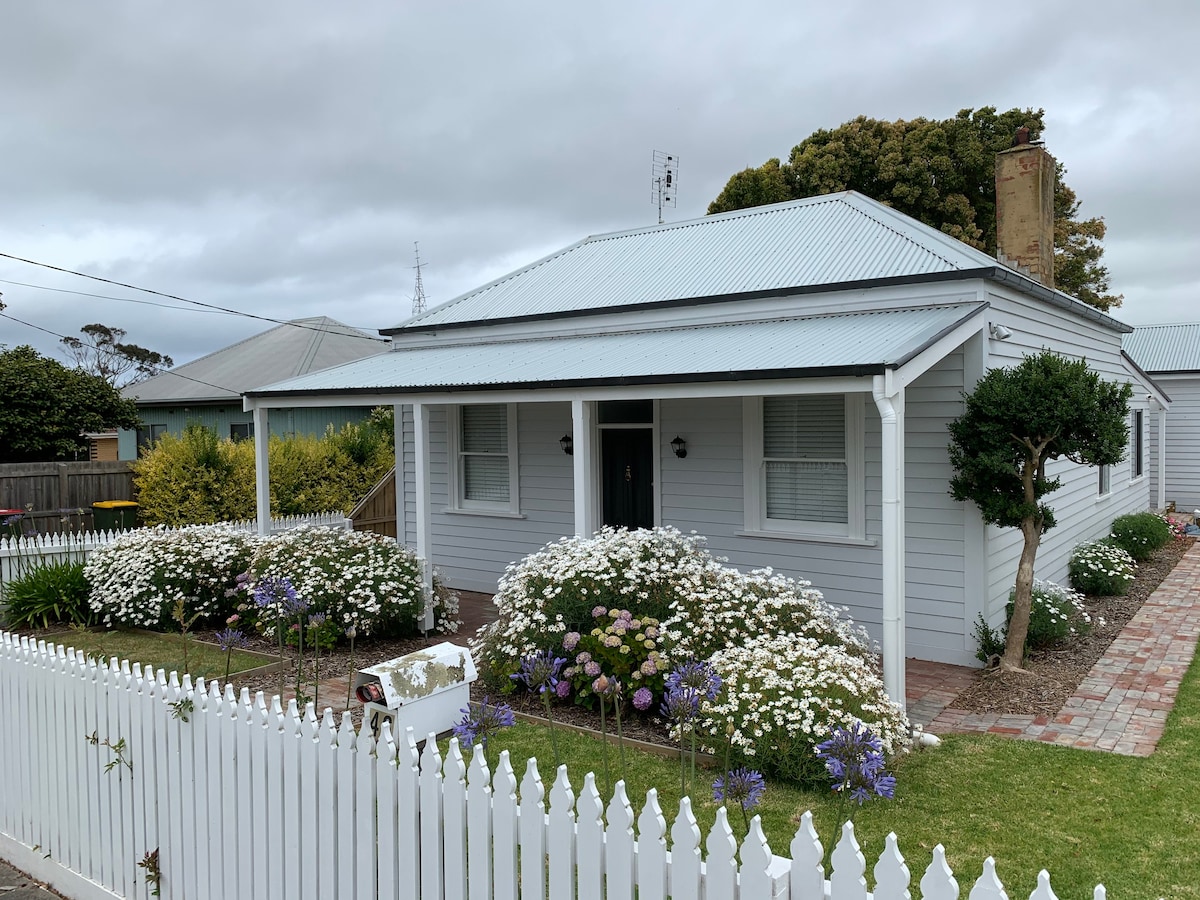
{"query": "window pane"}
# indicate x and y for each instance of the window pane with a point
(485, 428)
(804, 427)
(626, 412)
(1138, 447)
(807, 491)
(485, 477)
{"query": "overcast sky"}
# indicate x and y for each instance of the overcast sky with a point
(280, 158)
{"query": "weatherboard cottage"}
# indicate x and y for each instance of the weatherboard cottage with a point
(778, 379)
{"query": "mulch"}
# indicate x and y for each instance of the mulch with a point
(1052, 675)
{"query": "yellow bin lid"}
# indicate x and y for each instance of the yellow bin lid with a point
(113, 504)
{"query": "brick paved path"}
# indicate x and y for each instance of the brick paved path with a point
(1122, 704)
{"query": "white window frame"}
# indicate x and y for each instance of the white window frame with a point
(1104, 482)
(1137, 445)
(755, 479)
(457, 482)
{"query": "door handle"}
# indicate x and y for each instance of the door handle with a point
(628, 473)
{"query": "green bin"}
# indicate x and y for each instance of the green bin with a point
(114, 515)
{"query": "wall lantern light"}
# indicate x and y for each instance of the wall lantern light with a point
(567, 442)
(679, 445)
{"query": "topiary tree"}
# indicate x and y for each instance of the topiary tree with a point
(1018, 419)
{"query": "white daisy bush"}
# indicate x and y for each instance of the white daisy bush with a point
(636, 604)
(1101, 568)
(137, 580)
(1055, 613)
(354, 577)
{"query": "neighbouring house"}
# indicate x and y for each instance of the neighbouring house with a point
(209, 390)
(1171, 354)
(103, 445)
(778, 379)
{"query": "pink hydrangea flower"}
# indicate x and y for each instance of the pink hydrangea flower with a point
(642, 699)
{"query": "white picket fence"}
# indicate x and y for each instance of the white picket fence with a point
(18, 553)
(244, 800)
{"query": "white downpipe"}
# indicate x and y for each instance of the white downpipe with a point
(1160, 463)
(892, 438)
(424, 520)
(582, 416)
(262, 470)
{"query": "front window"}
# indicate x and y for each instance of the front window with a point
(1104, 488)
(1137, 451)
(807, 463)
(484, 437)
(241, 431)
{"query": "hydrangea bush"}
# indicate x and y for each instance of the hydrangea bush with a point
(1101, 568)
(138, 578)
(353, 577)
(784, 694)
(619, 644)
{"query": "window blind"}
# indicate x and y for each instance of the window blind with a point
(484, 453)
(804, 454)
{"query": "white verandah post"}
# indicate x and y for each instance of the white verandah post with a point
(890, 402)
(1160, 461)
(262, 470)
(424, 519)
(582, 427)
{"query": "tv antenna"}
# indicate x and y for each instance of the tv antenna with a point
(419, 304)
(664, 175)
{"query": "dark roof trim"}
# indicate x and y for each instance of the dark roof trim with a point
(854, 371)
(1027, 285)
(953, 326)
(956, 275)
(1158, 387)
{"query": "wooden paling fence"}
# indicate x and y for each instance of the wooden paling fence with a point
(20, 552)
(215, 795)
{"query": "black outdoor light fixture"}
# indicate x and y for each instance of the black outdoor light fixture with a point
(567, 442)
(679, 445)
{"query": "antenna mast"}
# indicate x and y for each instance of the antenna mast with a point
(419, 304)
(664, 172)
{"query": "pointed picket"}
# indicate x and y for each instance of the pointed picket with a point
(755, 877)
(721, 865)
(652, 850)
(589, 840)
(327, 804)
(408, 818)
(431, 819)
(504, 830)
(686, 869)
(988, 886)
(938, 881)
(848, 881)
(1043, 891)
(620, 846)
(479, 826)
(344, 775)
(560, 840)
(533, 833)
(891, 873)
(807, 877)
(1100, 893)
(365, 837)
(454, 823)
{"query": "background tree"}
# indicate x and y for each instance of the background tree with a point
(46, 407)
(1016, 420)
(940, 172)
(102, 351)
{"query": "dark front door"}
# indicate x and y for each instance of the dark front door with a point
(627, 470)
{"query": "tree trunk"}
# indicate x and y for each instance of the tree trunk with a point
(1018, 623)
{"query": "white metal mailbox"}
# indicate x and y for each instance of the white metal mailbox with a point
(425, 691)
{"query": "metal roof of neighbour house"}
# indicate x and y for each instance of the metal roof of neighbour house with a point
(296, 348)
(1162, 349)
(859, 343)
(836, 241)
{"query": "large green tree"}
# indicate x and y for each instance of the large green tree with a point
(46, 407)
(1016, 421)
(942, 172)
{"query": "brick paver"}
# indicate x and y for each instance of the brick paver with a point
(1121, 706)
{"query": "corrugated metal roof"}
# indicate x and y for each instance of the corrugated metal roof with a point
(1165, 348)
(827, 240)
(299, 347)
(794, 347)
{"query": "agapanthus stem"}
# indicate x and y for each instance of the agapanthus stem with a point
(550, 725)
(604, 748)
(279, 632)
(620, 737)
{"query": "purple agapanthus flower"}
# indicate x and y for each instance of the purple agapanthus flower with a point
(853, 758)
(481, 722)
(697, 675)
(681, 704)
(540, 671)
(231, 639)
(642, 698)
(742, 786)
(278, 591)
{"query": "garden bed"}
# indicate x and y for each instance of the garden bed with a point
(1053, 674)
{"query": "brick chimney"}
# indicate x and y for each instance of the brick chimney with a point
(1025, 208)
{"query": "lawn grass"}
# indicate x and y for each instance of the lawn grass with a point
(162, 651)
(1087, 817)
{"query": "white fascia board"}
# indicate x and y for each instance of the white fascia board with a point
(937, 351)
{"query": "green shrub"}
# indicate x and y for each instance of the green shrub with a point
(1141, 534)
(1101, 568)
(1055, 614)
(138, 578)
(353, 577)
(48, 593)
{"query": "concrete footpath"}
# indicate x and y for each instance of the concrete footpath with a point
(16, 886)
